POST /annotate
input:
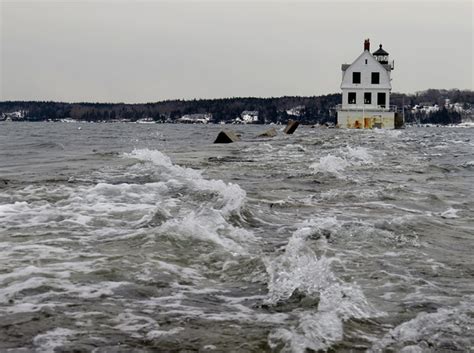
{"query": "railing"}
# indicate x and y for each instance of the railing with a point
(368, 108)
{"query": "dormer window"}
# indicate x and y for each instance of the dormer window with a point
(356, 77)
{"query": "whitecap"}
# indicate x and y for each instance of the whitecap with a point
(330, 164)
(50, 340)
(299, 268)
(432, 331)
(135, 325)
(154, 334)
(231, 196)
(342, 159)
(450, 213)
(360, 155)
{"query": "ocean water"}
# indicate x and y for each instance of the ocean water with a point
(148, 237)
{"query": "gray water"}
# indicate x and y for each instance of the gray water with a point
(145, 238)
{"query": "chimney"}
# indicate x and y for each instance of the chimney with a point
(367, 44)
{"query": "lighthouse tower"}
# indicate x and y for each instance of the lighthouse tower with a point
(366, 91)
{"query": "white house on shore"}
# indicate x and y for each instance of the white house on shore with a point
(366, 92)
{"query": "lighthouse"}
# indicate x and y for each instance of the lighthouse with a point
(366, 91)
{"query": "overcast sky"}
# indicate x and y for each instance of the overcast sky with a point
(146, 51)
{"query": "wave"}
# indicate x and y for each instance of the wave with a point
(468, 164)
(300, 270)
(177, 208)
(50, 340)
(447, 329)
(230, 196)
(450, 213)
(344, 158)
(173, 197)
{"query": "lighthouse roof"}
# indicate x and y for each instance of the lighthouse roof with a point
(380, 51)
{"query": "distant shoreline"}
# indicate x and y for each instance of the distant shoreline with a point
(433, 106)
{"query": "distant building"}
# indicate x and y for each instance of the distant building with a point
(13, 116)
(366, 91)
(296, 111)
(425, 108)
(195, 118)
(249, 116)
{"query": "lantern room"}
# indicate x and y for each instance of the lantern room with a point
(381, 55)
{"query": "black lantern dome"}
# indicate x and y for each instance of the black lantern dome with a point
(381, 55)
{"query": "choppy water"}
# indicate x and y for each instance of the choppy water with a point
(148, 237)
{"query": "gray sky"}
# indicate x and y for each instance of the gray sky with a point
(145, 51)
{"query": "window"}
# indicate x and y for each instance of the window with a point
(381, 99)
(367, 98)
(356, 77)
(375, 78)
(351, 99)
(365, 61)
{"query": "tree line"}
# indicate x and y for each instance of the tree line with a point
(317, 109)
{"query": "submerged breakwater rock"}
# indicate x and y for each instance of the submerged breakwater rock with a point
(291, 127)
(272, 132)
(331, 240)
(226, 136)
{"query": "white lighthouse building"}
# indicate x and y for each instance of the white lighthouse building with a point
(366, 92)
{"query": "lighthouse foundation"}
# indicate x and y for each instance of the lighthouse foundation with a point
(365, 120)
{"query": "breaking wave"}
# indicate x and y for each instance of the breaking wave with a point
(447, 329)
(345, 158)
(300, 270)
(230, 196)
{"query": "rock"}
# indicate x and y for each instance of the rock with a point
(291, 127)
(226, 136)
(269, 133)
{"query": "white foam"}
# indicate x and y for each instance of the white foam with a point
(299, 268)
(49, 341)
(208, 227)
(389, 133)
(119, 211)
(149, 269)
(55, 286)
(230, 196)
(209, 221)
(429, 331)
(314, 331)
(450, 213)
(160, 333)
(341, 160)
(260, 147)
(330, 164)
(49, 270)
(135, 325)
(361, 155)
(209, 347)
(294, 147)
